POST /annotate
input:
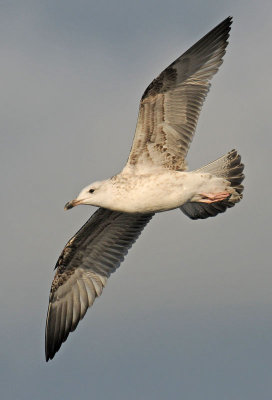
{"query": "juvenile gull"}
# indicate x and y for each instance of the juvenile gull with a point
(153, 180)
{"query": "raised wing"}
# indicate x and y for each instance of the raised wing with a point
(170, 106)
(83, 268)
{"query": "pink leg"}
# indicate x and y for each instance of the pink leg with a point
(213, 197)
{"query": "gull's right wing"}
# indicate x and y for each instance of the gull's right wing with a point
(83, 268)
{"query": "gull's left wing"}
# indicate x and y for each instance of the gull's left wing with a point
(170, 106)
(83, 268)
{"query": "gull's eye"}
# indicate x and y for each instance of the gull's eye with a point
(91, 190)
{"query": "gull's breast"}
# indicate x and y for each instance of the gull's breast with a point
(153, 193)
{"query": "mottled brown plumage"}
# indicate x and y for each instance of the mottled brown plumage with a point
(83, 268)
(170, 106)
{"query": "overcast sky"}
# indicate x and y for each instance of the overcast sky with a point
(188, 314)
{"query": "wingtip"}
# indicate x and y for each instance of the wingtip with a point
(227, 22)
(49, 355)
(229, 19)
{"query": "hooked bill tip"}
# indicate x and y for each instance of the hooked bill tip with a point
(68, 205)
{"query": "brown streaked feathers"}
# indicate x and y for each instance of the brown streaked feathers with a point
(83, 268)
(170, 106)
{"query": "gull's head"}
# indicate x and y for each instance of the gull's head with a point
(92, 195)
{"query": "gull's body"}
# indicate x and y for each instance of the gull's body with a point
(155, 179)
(154, 192)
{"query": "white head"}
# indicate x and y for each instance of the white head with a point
(94, 195)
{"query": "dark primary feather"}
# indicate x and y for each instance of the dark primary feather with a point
(83, 268)
(170, 106)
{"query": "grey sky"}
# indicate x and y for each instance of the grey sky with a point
(188, 314)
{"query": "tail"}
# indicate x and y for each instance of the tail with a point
(229, 167)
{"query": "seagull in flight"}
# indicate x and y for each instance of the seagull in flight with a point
(155, 179)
